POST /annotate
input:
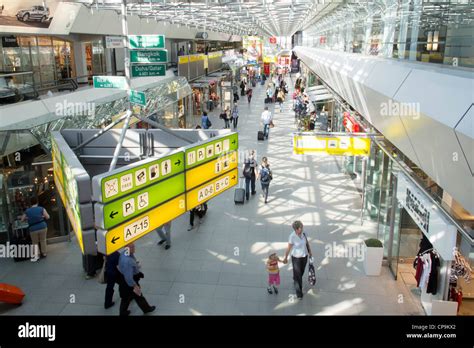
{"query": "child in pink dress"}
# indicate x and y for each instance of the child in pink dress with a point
(273, 273)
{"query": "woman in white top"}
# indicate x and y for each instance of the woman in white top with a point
(299, 248)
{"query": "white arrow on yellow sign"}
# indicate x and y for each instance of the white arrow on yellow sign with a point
(118, 237)
(198, 175)
(211, 189)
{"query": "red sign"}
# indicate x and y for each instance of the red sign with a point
(273, 40)
(266, 68)
(349, 122)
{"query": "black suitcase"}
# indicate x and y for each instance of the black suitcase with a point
(239, 196)
(268, 100)
(21, 237)
(260, 136)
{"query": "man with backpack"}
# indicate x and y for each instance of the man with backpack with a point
(265, 175)
(205, 122)
(250, 174)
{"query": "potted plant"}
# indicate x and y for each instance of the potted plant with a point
(373, 256)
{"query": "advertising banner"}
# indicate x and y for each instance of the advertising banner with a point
(253, 49)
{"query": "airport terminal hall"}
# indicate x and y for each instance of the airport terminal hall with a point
(217, 158)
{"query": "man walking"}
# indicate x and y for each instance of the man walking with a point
(128, 280)
(267, 119)
(250, 174)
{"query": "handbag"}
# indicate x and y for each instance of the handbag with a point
(271, 124)
(311, 270)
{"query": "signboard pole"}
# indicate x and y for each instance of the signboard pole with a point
(127, 84)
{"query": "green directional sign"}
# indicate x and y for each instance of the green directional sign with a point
(146, 41)
(108, 187)
(114, 213)
(210, 150)
(148, 70)
(136, 97)
(109, 82)
(149, 56)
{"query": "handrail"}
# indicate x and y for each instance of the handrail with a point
(17, 74)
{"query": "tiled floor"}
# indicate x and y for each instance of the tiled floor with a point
(219, 267)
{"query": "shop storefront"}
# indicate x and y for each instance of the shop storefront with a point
(49, 58)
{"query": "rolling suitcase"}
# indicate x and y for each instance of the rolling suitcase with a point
(239, 195)
(11, 294)
(260, 136)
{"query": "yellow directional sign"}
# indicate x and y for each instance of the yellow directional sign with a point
(211, 189)
(120, 236)
(342, 145)
(209, 170)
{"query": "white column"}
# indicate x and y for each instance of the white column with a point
(415, 27)
(368, 34)
(402, 35)
(389, 28)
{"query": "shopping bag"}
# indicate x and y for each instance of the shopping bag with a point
(271, 124)
(311, 273)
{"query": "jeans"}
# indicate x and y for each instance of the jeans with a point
(299, 265)
(249, 181)
(236, 120)
(165, 235)
(266, 130)
(265, 190)
(227, 123)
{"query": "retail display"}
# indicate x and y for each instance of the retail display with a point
(427, 264)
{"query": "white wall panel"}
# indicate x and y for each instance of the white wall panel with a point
(440, 96)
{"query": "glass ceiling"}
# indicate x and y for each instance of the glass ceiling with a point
(244, 17)
(166, 93)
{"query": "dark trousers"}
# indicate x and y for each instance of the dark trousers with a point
(127, 295)
(236, 120)
(299, 265)
(227, 123)
(109, 290)
(265, 190)
(249, 97)
(249, 182)
(242, 92)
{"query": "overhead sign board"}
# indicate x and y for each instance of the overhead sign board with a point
(123, 181)
(113, 42)
(137, 97)
(210, 149)
(149, 56)
(341, 145)
(118, 237)
(209, 170)
(73, 186)
(147, 70)
(146, 41)
(134, 204)
(205, 192)
(118, 82)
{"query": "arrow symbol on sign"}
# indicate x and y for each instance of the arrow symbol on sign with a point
(115, 239)
(233, 178)
(113, 213)
(178, 163)
(233, 142)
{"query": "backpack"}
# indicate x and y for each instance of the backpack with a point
(265, 175)
(248, 170)
(208, 123)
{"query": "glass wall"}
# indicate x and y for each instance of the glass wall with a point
(419, 30)
(49, 58)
